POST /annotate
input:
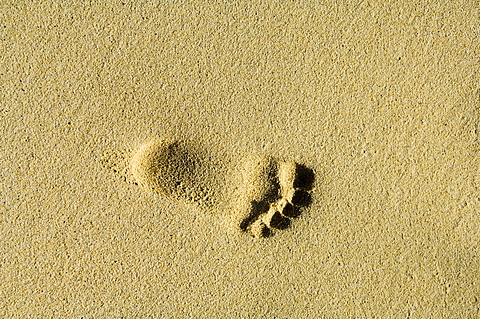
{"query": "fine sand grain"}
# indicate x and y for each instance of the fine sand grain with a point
(243, 159)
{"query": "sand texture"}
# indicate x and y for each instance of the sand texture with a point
(239, 159)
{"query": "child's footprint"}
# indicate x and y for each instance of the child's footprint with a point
(264, 197)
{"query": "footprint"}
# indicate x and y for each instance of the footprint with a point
(273, 193)
(263, 197)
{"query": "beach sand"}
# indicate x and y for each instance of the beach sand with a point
(149, 151)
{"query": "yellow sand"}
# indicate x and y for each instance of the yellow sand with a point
(380, 99)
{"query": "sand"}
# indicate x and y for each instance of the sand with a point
(378, 101)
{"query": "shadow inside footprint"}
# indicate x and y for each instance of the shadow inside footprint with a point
(257, 209)
(272, 193)
(301, 198)
(291, 211)
(279, 222)
(304, 177)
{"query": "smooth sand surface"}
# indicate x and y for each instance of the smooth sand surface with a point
(380, 100)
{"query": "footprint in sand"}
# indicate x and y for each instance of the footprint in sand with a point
(266, 195)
